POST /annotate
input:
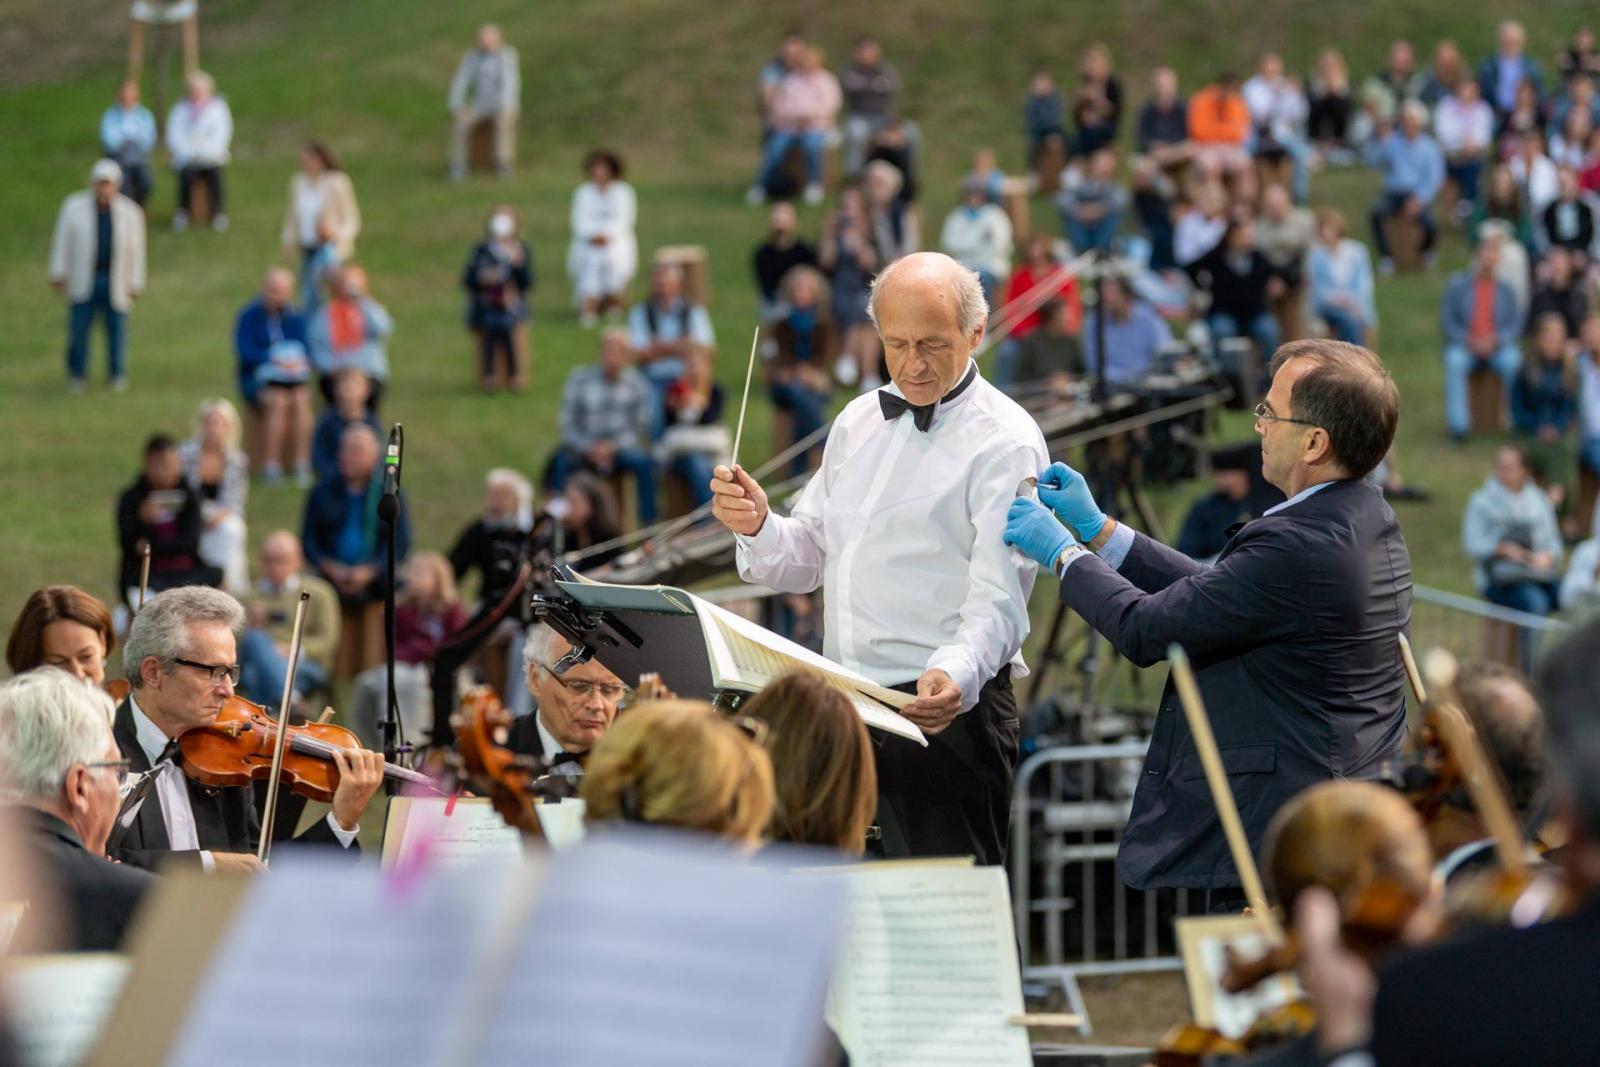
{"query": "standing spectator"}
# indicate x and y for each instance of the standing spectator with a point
(798, 378)
(1219, 129)
(849, 255)
(695, 440)
(1449, 70)
(427, 614)
(1340, 269)
(1413, 172)
(1503, 199)
(274, 360)
(1544, 402)
(1328, 101)
(97, 260)
(804, 111)
(345, 538)
(487, 87)
(1042, 116)
(199, 137)
(269, 610)
(1278, 111)
(662, 329)
(1503, 73)
(1241, 283)
(1560, 290)
(321, 210)
(352, 395)
(977, 234)
(1509, 532)
(604, 252)
(160, 511)
(606, 412)
(1163, 130)
(896, 227)
(1580, 57)
(1481, 324)
(216, 468)
(1091, 207)
(1097, 103)
(498, 277)
(128, 135)
(1134, 334)
(1569, 220)
(1464, 125)
(870, 86)
(782, 251)
(351, 330)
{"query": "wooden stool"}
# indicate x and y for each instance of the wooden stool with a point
(1588, 490)
(480, 145)
(1289, 309)
(360, 639)
(625, 491)
(695, 263)
(1502, 643)
(1404, 237)
(201, 209)
(794, 166)
(677, 498)
(1274, 171)
(1486, 400)
(1014, 198)
(255, 437)
(1048, 163)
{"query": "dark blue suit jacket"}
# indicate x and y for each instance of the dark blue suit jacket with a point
(1292, 634)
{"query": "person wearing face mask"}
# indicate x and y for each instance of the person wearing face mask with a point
(62, 626)
(498, 278)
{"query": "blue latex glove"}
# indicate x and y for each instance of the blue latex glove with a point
(1032, 529)
(1066, 493)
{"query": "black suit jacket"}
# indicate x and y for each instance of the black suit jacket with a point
(1505, 997)
(225, 819)
(1292, 634)
(98, 897)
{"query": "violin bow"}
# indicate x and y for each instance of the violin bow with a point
(1205, 743)
(1411, 669)
(144, 574)
(269, 812)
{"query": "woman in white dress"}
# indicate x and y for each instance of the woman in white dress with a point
(604, 253)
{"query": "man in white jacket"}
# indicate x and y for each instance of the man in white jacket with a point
(97, 261)
(199, 134)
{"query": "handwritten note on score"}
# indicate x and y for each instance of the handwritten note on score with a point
(928, 974)
(56, 1005)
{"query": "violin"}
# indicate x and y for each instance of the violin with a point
(513, 782)
(236, 749)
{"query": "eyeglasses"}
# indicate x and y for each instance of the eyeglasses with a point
(1265, 414)
(121, 766)
(612, 692)
(217, 671)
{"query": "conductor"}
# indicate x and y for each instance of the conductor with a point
(1292, 632)
(902, 529)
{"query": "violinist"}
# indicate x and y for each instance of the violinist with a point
(62, 626)
(180, 656)
(574, 710)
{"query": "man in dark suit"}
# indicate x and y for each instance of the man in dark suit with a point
(181, 658)
(58, 757)
(573, 711)
(1292, 632)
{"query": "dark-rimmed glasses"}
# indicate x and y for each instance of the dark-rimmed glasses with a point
(216, 671)
(121, 766)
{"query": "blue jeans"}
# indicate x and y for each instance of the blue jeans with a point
(1263, 330)
(262, 667)
(1097, 234)
(805, 408)
(1466, 174)
(693, 469)
(1345, 326)
(1589, 457)
(1535, 598)
(811, 142)
(1458, 366)
(634, 461)
(661, 374)
(80, 317)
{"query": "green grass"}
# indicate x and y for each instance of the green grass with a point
(670, 83)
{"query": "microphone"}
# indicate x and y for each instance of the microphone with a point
(389, 503)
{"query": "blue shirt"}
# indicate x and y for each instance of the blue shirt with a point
(351, 547)
(1507, 81)
(131, 131)
(1131, 345)
(1411, 167)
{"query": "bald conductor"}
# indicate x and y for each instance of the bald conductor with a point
(901, 529)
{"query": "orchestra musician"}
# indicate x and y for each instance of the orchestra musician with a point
(62, 626)
(901, 528)
(574, 710)
(1292, 631)
(180, 656)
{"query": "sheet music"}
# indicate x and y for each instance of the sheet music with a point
(56, 1005)
(1232, 1014)
(928, 973)
(473, 833)
(562, 823)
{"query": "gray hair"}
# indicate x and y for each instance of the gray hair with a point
(514, 481)
(1565, 685)
(971, 307)
(1417, 110)
(49, 722)
(161, 627)
(199, 79)
(541, 647)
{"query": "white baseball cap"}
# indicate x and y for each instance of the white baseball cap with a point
(105, 170)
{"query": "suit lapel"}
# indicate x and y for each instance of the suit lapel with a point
(149, 829)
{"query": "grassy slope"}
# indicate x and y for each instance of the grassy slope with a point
(670, 83)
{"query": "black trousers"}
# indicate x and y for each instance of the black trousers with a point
(211, 176)
(952, 798)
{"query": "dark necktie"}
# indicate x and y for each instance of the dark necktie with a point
(893, 405)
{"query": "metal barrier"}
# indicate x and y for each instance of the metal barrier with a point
(1473, 629)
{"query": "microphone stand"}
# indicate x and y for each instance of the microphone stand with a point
(389, 512)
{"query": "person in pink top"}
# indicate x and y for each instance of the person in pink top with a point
(804, 110)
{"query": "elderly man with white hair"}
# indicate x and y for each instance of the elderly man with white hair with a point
(1413, 173)
(900, 528)
(574, 709)
(60, 770)
(199, 137)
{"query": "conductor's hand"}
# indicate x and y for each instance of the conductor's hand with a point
(737, 501)
(937, 704)
(1032, 530)
(1064, 492)
(360, 775)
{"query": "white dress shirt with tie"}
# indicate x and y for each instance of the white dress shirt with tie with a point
(902, 529)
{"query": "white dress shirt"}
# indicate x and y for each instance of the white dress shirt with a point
(903, 531)
(552, 749)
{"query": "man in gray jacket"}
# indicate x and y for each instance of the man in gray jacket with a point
(487, 88)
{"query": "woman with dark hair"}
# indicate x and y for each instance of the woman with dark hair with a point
(321, 210)
(498, 278)
(604, 253)
(62, 626)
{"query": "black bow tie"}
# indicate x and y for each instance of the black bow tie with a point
(893, 405)
(567, 757)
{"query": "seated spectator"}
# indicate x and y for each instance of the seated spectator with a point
(1241, 283)
(160, 511)
(321, 273)
(1278, 112)
(1514, 268)
(427, 613)
(1510, 534)
(1525, 119)
(63, 771)
(606, 412)
(128, 135)
(1201, 224)
(97, 261)
(849, 255)
(498, 278)
(1385, 93)
(1207, 526)
(1328, 101)
(1052, 355)
(1043, 119)
(662, 329)
(1481, 324)
(1503, 73)
(351, 330)
(782, 251)
(804, 111)
(1580, 57)
(1039, 263)
(1579, 593)
(695, 439)
(1091, 207)
(1502, 198)
(1134, 335)
(343, 534)
(986, 172)
(1096, 104)
(1340, 270)
(1577, 98)
(1448, 71)
(321, 209)
(269, 340)
(896, 228)
(977, 234)
(1559, 289)
(1570, 139)
(199, 137)
(1589, 398)
(572, 711)
(893, 144)
(790, 54)
(487, 87)
(62, 626)
(269, 611)
(1284, 233)
(1544, 401)
(1536, 174)
(582, 516)
(798, 377)
(870, 87)
(604, 253)
(1219, 131)
(1413, 173)
(679, 763)
(825, 778)
(352, 406)
(1163, 128)
(1569, 220)
(216, 467)
(1464, 126)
